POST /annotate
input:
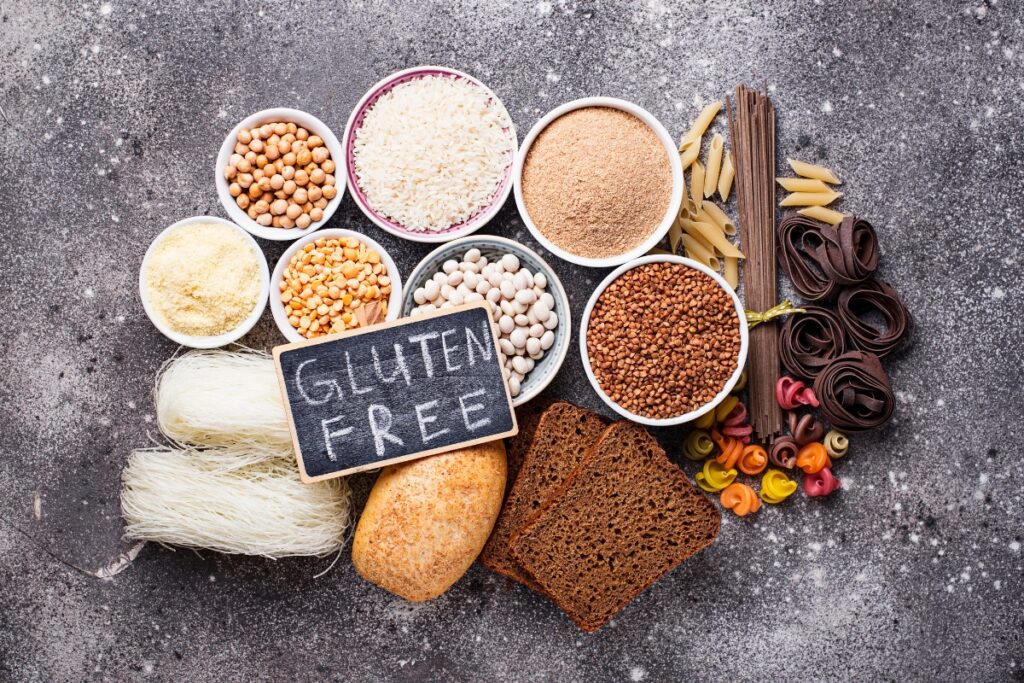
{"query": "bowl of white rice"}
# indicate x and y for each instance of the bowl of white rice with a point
(429, 153)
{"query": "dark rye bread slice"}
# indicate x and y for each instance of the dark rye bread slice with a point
(563, 436)
(626, 517)
(527, 417)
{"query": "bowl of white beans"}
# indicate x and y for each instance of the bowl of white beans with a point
(528, 303)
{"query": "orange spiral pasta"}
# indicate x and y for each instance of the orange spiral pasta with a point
(812, 458)
(732, 449)
(741, 499)
(753, 460)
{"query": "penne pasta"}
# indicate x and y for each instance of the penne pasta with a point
(806, 170)
(697, 185)
(698, 252)
(717, 216)
(714, 235)
(731, 271)
(726, 177)
(810, 198)
(714, 165)
(700, 126)
(803, 185)
(820, 213)
(675, 236)
(689, 154)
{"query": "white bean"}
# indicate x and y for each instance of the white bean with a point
(526, 296)
(508, 290)
(446, 290)
(541, 280)
(469, 267)
(518, 337)
(506, 324)
(506, 307)
(510, 262)
(440, 278)
(548, 299)
(463, 289)
(495, 278)
(522, 321)
(533, 346)
(519, 365)
(552, 322)
(493, 294)
(506, 347)
(456, 298)
(431, 290)
(473, 255)
(472, 280)
(428, 308)
(541, 309)
(483, 287)
(522, 281)
(547, 340)
(473, 297)
(537, 331)
(455, 278)
(514, 386)
(450, 266)
(420, 296)
(519, 307)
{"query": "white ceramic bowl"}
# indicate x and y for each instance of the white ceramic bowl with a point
(277, 308)
(310, 123)
(355, 120)
(686, 417)
(220, 339)
(677, 180)
(547, 367)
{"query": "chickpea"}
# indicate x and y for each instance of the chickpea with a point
(314, 141)
(279, 194)
(262, 207)
(317, 176)
(244, 136)
(301, 134)
(289, 187)
(293, 211)
(265, 219)
(316, 214)
(255, 133)
(277, 181)
(264, 183)
(244, 179)
(261, 161)
(234, 189)
(320, 204)
(276, 221)
(278, 165)
(266, 130)
(287, 222)
(328, 165)
(288, 158)
(301, 196)
(273, 152)
(329, 192)
(280, 128)
(284, 146)
(307, 207)
(301, 177)
(267, 197)
(303, 221)
(252, 213)
(256, 146)
(254, 192)
(329, 179)
(273, 140)
(234, 159)
(250, 156)
(313, 193)
(279, 207)
(291, 128)
(243, 201)
(257, 173)
(240, 148)
(244, 166)
(320, 155)
(230, 172)
(297, 145)
(303, 157)
(310, 167)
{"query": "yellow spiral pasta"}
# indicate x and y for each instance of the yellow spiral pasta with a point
(698, 445)
(741, 383)
(725, 407)
(836, 444)
(713, 478)
(705, 421)
(776, 487)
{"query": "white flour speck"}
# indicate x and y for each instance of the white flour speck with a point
(826, 107)
(105, 9)
(637, 674)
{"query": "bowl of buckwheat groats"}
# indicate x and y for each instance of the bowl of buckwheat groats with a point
(278, 174)
(663, 340)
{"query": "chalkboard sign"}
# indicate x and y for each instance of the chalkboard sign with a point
(395, 391)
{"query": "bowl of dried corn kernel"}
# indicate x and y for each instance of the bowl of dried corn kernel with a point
(278, 174)
(332, 281)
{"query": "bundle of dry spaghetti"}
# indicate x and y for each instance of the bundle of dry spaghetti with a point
(230, 481)
(752, 131)
(232, 500)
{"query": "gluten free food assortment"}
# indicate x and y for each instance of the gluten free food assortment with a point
(664, 340)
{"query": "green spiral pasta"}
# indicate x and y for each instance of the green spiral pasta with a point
(699, 445)
(836, 444)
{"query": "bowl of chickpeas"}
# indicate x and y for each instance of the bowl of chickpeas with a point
(333, 281)
(277, 174)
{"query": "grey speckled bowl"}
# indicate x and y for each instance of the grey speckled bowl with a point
(547, 367)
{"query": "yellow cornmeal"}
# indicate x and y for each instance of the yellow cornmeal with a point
(203, 279)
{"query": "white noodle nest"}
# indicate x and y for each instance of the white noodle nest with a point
(243, 500)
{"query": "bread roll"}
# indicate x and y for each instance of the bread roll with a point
(426, 521)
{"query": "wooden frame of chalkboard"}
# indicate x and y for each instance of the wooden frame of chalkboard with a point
(483, 375)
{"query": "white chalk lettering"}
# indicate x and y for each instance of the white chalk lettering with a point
(473, 408)
(484, 347)
(356, 390)
(329, 435)
(330, 383)
(422, 340)
(425, 419)
(400, 367)
(380, 427)
(445, 349)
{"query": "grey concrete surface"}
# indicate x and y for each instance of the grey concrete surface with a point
(112, 113)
